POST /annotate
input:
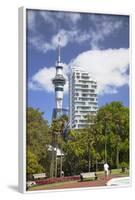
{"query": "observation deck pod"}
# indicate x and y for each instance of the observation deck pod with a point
(59, 79)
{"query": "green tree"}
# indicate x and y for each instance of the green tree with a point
(105, 138)
(114, 118)
(57, 134)
(32, 165)
(92, 140)
(74, 150)
(37, 137)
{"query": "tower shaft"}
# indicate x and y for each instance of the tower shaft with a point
(59, 82)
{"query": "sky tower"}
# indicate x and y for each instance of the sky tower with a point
(58, 82)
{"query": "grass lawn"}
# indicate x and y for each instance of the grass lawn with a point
(114, 172)
(43, 187)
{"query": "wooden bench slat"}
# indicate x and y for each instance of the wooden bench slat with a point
(88, 175)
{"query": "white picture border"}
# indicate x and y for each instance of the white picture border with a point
(23, 93)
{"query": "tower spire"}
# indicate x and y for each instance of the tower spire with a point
(58, 82)
(59, 58)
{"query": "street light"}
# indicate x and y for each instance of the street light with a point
(105, 143)
(118, 141)
(106, 118)
(53, 166)
(56, 148)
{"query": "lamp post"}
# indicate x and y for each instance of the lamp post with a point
(89, 126)
(96, 150)
(118, 141)
(106, 118)
(61, 163)
(56, 148)
(64, 127)
(52, 160)
(53, 166)
(105, 143)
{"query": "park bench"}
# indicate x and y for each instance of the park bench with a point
(39, 176)
(88, 176)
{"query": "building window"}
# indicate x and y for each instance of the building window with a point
(85, 77)
(83, 121)
(84, 95)
(94, 86)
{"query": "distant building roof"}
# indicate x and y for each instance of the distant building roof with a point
(59, 152)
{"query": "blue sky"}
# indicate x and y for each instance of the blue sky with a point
(98, 43)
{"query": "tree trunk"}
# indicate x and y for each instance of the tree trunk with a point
(61, 164)
(117, 158)
(96, 165)
(56, 161)
(52, 164)
(89, 162)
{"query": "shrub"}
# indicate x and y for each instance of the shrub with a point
(57, 180)
(124, 166)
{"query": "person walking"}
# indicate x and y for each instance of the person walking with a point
(106, 169)
(62, 173)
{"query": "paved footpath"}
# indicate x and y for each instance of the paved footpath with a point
(101, 181)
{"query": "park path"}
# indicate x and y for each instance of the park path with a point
(101, 181)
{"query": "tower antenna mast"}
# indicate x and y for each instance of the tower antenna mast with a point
(59, 58)
(58, 82)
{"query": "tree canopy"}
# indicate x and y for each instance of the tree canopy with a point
(37, 139)
(105, 138)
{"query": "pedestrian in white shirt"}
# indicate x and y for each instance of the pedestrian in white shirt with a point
(106, 169)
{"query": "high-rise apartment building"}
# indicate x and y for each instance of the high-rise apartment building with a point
(82, 97)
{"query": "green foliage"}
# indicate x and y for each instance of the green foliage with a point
(114, 118)
(110, 126)
(38, 139)
(75, 152)
(124, 165)
(57, 142)
(84, 149)
(32, 164)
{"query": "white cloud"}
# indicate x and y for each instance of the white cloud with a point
(69, 37)
(98, 29)
(66, 37)
(103, 26)
(39, 43)
(42, 45)
(109, 67)
(48, 17)
(54, 17)
(31, 20)
(42, 80)
(74, 17)
(63, 35)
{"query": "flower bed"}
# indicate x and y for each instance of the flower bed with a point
(57, 180)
